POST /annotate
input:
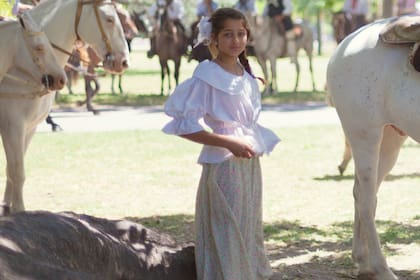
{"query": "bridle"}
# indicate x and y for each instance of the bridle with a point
(37, 61)
(96, 4)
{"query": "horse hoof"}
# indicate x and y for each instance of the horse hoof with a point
(4, 210)
(341, 170)
(56, 128)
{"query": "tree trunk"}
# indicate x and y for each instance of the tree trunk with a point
(319, 30)
(387, 8)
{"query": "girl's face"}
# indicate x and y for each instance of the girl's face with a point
(232, 39)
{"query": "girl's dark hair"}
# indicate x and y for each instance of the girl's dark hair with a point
(217, 20)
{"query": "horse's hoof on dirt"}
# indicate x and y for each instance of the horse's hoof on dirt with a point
(96, 112)
(57, 128)
(4, 210)
(341, 170)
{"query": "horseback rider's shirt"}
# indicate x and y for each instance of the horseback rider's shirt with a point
(246, 6)
(175, 10)
(202, 9)
(359, 7)
(228, 104)
(280, 7)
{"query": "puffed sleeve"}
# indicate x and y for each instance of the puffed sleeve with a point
(186, 106)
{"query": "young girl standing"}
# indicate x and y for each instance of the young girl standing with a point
(223, 92)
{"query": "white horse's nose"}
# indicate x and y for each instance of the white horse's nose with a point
(116, 63)
(54, 82)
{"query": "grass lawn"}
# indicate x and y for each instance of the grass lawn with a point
(151, 178)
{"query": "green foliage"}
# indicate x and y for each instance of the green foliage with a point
(5, 8)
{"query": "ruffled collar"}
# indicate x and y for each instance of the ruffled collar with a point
(214, 75)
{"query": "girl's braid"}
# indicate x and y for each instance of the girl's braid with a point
(243, 59)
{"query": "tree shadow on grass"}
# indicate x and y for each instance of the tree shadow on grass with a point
(334, 178)
(389, 177)
(298, 251)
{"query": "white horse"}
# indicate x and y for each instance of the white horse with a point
(26, 47)
(64, 21)
(270, 45)
(375, 90)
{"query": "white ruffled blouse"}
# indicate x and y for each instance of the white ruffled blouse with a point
(227, 103)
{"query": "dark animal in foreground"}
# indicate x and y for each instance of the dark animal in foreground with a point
(45, 245)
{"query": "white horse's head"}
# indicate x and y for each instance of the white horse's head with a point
(107, 39)
(36, 57)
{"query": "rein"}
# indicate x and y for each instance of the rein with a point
(80, 4)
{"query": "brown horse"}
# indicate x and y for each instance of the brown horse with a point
(171, 44)
(343, 25)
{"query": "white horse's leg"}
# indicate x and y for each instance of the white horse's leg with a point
(120, 83)
(309, 54)
(366, 246)
(14, 146)
(112, 83)
(273, 65)
(390, 149)
(346, 157)
(297, 66)
(263, 66)
(366, 156)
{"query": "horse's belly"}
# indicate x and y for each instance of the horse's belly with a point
(362, 76)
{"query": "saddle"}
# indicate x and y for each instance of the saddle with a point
(404, 30)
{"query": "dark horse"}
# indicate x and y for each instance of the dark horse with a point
(343, 26)
(171, 44)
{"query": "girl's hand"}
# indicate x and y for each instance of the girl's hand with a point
(240, 148)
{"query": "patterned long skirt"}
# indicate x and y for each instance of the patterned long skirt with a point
(228, 222)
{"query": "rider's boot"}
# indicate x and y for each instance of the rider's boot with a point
(152, 51)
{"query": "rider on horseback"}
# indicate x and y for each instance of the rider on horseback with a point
(356, 11)
(205, 8)
(280, 11)
(246, 7)
(175, 12)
